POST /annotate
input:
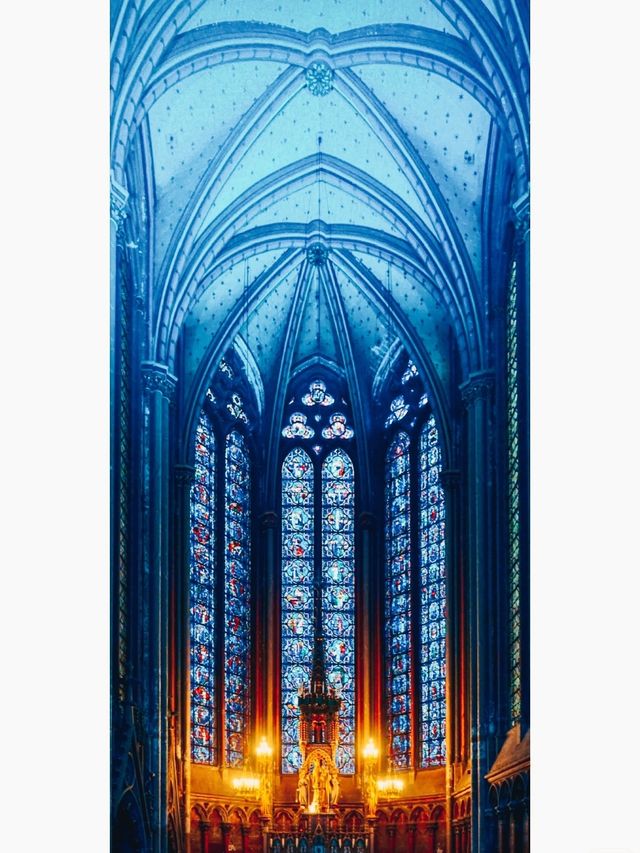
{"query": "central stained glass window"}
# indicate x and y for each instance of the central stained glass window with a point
(237, 632)
(333, 575)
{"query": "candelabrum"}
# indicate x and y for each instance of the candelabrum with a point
(369, 782)
(258, 786)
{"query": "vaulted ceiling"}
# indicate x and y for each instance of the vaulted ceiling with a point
(320, 180)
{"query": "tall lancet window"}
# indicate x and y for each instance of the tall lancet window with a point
(432, 600)
(297, 595)
(202, 604)
(237, 611)
(398, 599)
(338, 593)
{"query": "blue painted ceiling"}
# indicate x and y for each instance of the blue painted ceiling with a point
(388, 170)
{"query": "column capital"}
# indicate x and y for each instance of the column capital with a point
(477, 387)
(205, 825)
(367, 521)
(118, 203)
(522, 215)
(156, 377)
(184, 474)
(269, 520)
(450, 479)
(225, 827)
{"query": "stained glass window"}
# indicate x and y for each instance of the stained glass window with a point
(202, 599)
(409, 373)
(398, 600)
(398, 410)
(297, 427)
(432, 600)
(514, 497)
(338, 593)
(237, 632)
(318, 395)
(337, 427)
(236, 409)
(297, 595)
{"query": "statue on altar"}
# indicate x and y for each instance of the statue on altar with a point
(319, 705)
(318, 784)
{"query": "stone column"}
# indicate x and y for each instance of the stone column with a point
(455, 692)
(513, 831)
(204, 836)
(159, 391)
(184, 477)
(501, 831)
(456, 839)
(226, 832)
(119, 198)
(391, 832)
(371, 833)
(264, 828)
(411, 837)
(525, 827)
(476, 394)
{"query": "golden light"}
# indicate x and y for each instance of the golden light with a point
(263, 750)
(246, 785)
(370, 752)
(390, 786)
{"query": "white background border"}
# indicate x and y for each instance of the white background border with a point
(55, 425)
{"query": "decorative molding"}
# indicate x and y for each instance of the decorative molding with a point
(317, 254)
(319, 77)
(450, 479)
(184, 474)
(521, 209)
(119, 198)
(477, 387)
(156, 377)
(269, 520)
(367, 521)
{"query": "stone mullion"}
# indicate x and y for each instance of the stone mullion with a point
(475, 395)
(455, 694)
(119, 440)
(184, 476)
(160, 386)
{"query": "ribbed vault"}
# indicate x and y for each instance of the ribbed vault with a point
(386, 156)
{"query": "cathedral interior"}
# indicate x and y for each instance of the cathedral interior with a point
(320, 426)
